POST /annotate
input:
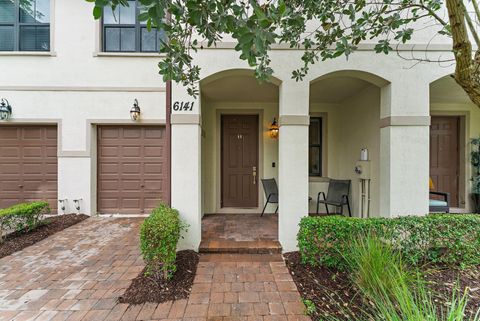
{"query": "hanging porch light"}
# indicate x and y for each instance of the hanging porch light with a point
(273, 130)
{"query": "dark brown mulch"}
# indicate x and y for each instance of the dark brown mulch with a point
(444, 282)
(330, 290)
(335, 296)
(19, 240)
(145, 289)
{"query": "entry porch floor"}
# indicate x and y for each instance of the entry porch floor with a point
(240, 233)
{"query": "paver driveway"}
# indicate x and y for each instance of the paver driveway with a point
(78, 274)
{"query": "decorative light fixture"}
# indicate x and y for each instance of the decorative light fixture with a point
(5, 110)
(135, 111)
(273, 130)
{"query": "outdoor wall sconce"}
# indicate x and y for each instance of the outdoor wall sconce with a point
(77, 204)
(63, 203)
(135, 111)
(273, 130)
(5, 110)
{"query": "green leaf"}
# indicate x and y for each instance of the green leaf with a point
(97, 12)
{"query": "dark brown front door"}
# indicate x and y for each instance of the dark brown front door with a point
(28, 165)
(444, 155)
(239, 161)
(132, 169)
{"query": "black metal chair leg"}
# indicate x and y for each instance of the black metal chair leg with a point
(348, 205)
(263, 211)
(326, 207)
(276, 210)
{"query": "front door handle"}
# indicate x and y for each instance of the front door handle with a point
(254, 175)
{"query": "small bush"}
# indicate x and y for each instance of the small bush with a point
(22, 217)
(452, 240)
(159, 235)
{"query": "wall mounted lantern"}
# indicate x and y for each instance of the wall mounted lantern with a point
(273, 130)
(135, 111)
(5, 110)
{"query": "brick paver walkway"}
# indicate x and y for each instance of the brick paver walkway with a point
(79, 273)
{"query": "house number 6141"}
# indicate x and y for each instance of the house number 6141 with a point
(183, 105)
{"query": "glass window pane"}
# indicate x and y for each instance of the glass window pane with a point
(110, 17)
(33, 38)
(6, 38)
(315, 131)
(161, 36)
(27, 11)
(128, 14)
(112, 39)
(7, 11)
(43, 38)
(149, 40)
(27, 38)
(127, 39)
(314, 164)
(42, 11)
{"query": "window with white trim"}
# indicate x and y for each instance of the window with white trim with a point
(123, 32)
(24, 25)
(315, 146)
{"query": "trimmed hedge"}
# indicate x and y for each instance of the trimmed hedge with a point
(445, 239)
(22, 217)
(159, 235)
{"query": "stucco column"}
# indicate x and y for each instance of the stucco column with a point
(293, 161)
(186, 164)
(404, 148)
(76, 166)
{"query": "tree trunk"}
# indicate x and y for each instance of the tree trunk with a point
(467, 69)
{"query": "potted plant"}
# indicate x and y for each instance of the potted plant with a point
(475, 160)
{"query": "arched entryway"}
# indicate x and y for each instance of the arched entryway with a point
(237, 153)
(345, 108)
(455, 120)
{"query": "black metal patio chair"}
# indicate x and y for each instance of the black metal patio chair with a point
(337, 195)
(271, 192)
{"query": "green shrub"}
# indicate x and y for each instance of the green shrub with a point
(445, 239)
(22, 217)
(159, 235)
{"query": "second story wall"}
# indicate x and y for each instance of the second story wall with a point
(75, 57)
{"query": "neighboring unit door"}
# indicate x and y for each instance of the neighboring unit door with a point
(132, 169)
(239, 161)
(28, 165)
(445, 155)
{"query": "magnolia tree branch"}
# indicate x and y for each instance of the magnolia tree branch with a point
(462, 48)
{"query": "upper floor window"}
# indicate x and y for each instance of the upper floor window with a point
(123, 32)
(24, 25)
(315, 147)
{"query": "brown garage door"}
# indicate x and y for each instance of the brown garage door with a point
(28, 164)
(132, 169)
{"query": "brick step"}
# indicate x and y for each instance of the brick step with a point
(241, 247)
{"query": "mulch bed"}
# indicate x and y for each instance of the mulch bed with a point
(335, 296)
(444, 282)
(19, 240)
(146, 289)
(330, 290)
